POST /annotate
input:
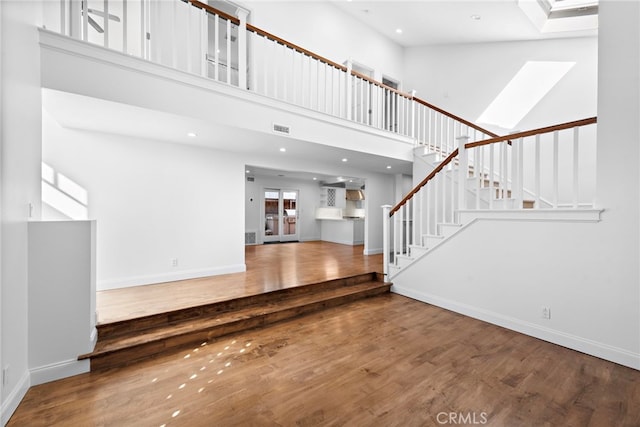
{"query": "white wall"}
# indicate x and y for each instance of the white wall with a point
(62, 298)
(327, 31)
(379, 191)
(588, 273)
(154, 202)
(309, 200)
(20, 127)
(464, 79)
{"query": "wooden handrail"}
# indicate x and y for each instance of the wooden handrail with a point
(539, 131)
(449, 159)
(429, 177)
(215, 11)
(457, 118)
(382, 85)
(295, 47)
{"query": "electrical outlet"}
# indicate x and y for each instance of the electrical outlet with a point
(174, 262)
(545, 312)
(5, 376)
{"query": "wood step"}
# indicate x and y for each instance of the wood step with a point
(118, 347)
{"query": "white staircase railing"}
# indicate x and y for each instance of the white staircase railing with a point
(194, 37)
(546, 168)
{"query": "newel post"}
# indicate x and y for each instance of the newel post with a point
(242, 47)
(385, 241)
(463, 170)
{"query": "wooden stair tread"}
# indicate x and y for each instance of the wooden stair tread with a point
(244, 318)
(125, 327)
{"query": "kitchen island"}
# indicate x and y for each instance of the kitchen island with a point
(338, 229)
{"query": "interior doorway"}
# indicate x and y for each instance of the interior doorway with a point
(280, 213)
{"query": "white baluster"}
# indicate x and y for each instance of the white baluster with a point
(385, 241)
(228, 59)
(492, 193)
(520, 172)
(555, 170)
(216, 48)
(421, 215)
(348, 87)
(407, 226)
(463, 170)
(514, 172)
(427, 209)
(576, 155)
(125, 23)
(105, 23)
(537, 172)
(242, 47)
(85, 21)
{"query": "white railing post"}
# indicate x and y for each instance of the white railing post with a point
(204, 43)
(242, 47)
(463, 170)
(385, 241)
(349, 91)
(413, 118)
(576, 167)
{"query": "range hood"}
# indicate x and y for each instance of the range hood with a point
(355, 195)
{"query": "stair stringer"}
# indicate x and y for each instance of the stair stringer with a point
(467, 218)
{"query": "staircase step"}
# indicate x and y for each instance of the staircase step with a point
(416, 250)
(431, 241)
(117, 347)
(403, 260)
(448, 230)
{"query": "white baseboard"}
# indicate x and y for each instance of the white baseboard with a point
(126, 282)
(10, 404)
(374, 251)
(593, 348)
(56, 371)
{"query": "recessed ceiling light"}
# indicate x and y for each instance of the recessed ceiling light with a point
(248, 171)
(399, 30)
(192, 134)
(475, 17)
(345, 160)
(388, 166)
(283, 149)
(314, 178)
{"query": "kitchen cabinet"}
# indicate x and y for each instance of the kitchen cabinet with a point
(333, 197)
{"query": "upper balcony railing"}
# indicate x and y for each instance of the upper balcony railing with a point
(194, 37)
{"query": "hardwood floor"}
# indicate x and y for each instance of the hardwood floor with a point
(269, 268)
(384, 361)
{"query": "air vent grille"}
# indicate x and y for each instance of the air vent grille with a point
(250, 238)
(251, 179)
(281, 129)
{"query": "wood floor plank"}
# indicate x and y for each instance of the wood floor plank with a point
(383, 361)
(269, 268)
(386, 361)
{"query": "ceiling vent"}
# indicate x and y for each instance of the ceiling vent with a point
(281, 129)
(250, 179)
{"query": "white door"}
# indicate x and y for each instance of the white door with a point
(280, 214)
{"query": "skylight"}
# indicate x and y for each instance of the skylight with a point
(534, 80)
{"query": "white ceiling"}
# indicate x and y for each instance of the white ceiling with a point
(427, 22)
(84, 113)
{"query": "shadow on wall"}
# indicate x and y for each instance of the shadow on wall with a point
(62, 198)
